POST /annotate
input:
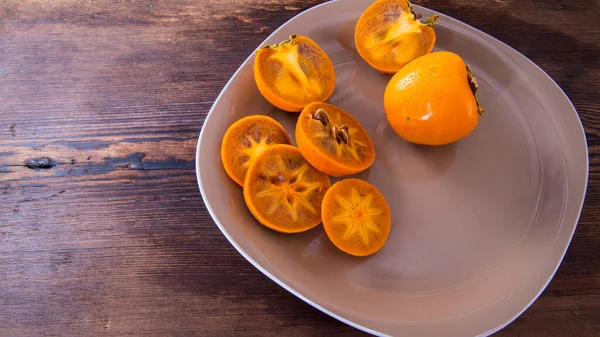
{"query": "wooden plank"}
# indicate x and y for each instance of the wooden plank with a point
(112, 237)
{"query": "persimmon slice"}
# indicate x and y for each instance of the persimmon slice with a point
(245, 140)
(283, 191)
(293, 73)
(356, 217)
(333, 141)
(389, 35)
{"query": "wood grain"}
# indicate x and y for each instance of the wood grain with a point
(102, 228)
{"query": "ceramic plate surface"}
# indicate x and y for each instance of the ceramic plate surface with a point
(479, 227)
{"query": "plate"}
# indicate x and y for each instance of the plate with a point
(479, 227)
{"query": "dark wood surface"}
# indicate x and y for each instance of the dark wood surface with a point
(102, 228)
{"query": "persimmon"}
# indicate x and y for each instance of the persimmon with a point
(356, 217)
(333, 141)
(283, 191)
(432, 100)
(293, 73)
(245, 139)
(389, 34)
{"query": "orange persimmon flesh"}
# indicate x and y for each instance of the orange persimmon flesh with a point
(245, 139)
(388, 35)
(283, 191)
(293, 73)
(356, 217)
(333, 141)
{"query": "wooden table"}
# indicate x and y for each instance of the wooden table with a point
(102, 228)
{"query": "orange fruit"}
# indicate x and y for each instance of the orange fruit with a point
(432, 100)
(283, 191)
(245, 139)
(389, 34)
(293, 73)
(333, 141)
(356, 217)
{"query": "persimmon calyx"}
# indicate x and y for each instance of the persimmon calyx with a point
(416, 16)
(282, 43)
(474, 88)
(432, 19)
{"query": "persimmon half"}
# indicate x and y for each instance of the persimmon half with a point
(245, 139)
(283, 191)
(432, 100)
(356, 217)
(293, 73)
(333, 141)
(389, 34)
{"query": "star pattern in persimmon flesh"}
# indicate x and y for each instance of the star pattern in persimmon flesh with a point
(357, 215)
(290, 190)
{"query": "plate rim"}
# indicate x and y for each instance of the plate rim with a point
(321, 308)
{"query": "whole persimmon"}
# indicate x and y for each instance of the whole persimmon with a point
(293, 73)
(432, 100)
(389, 34)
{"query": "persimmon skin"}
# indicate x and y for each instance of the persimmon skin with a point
(389, 36)
(247, 137)
(283, 191)
(333, 157)
(356, 217)
(293, 73)
(430, 101)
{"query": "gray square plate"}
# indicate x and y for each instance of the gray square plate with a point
(479, 227)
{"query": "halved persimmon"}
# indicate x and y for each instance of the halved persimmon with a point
(245, 140)
(293, 73)
(283, 191)
(356, 217)
(389, 34)
(333, 141)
